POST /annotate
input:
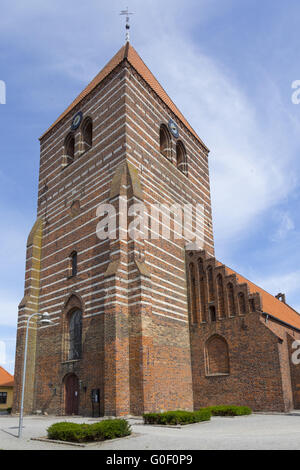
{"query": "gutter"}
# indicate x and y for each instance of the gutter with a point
(268, 315)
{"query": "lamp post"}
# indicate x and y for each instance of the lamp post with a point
(44, 318)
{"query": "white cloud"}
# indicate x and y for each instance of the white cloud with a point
(252, 159)
(285, 225)
(248, 173)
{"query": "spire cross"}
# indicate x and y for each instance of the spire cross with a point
(127, 14)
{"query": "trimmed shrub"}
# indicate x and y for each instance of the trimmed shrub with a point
(229, 410)
(177, 417)
(74, 432)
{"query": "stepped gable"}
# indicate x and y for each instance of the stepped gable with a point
(268, 303)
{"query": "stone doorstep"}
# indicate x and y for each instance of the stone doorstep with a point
(81, 444)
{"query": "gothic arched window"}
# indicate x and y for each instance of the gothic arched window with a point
(217, 356)
(87, 134)
(181, 157)
(69, 148)
(165, 142)
(75, 335)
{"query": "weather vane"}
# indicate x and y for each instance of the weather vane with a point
(127, 14)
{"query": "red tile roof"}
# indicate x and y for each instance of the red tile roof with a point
(129, 53)
(6, 379)
(270, 304)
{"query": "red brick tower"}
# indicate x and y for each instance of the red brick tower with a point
(119, 306)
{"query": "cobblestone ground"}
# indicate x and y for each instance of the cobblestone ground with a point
(258, 431)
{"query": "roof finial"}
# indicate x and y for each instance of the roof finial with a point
(126, 13)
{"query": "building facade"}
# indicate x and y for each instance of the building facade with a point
(6, 390)
(146, 323)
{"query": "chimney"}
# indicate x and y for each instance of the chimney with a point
(281, 297)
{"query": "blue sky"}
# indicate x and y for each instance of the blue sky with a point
(228, 65)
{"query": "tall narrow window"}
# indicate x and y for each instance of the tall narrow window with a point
(252, 305)
(181, 157)
(73, 263)
(242, 303)
(193, 294)
(69, 148)
(210, 280)
(202, 285)
(212, 313)
(165, 142)
(200, 266)
(75, 335)
(230, 295)
(87, 134)
(221, 299)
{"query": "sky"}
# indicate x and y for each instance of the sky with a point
(228, 65)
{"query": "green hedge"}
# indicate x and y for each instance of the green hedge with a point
(73, 432)
(229, 410)
(177, 417)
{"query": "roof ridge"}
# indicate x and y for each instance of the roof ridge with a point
(6, 371)
(269, 303)
(143, 70)
(171, 102)
(103, 73)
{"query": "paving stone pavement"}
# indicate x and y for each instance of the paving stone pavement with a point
(258, 431)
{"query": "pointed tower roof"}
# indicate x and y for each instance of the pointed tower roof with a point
(127, 52)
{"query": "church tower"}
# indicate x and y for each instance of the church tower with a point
(119, 341)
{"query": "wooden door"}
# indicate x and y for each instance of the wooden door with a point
(72, 395)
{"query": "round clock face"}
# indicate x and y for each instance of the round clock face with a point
(173, 128)
(76, 121)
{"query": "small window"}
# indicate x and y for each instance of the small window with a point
(3, 398)
(181, 157)
(87, 134)
(75, 335)
(73, 264)
(69, 149)
(165, 142)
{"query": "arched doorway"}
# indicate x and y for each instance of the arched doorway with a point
(71, 394)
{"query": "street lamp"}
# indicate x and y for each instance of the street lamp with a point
(44, 319)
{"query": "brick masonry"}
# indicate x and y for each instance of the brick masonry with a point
(252, 364)
(145, 314)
